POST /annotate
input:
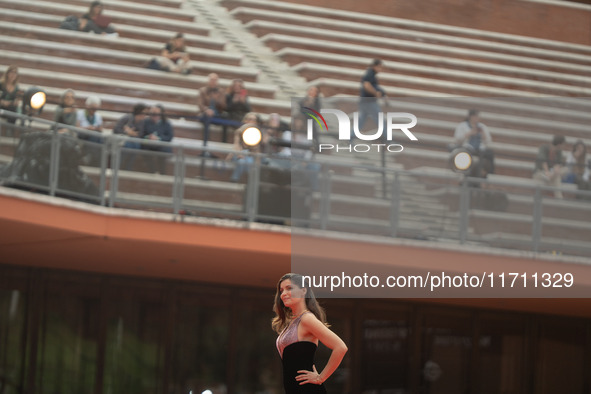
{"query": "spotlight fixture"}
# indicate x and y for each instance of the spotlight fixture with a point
(461, 160)
(33, 100)
(252, 136)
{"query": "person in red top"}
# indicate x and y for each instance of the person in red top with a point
(94, 21)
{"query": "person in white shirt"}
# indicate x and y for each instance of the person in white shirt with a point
(472, 134)
(88, 118)
(577, 167)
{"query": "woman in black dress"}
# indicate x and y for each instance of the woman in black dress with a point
(301, 324)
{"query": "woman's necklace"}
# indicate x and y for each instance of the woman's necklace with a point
(301, 313)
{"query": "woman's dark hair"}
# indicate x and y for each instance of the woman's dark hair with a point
(250, 114)
(376, 62)
(558, 139)
(176, 36)
(94, 4)
(138, 109)
(5, 75)
(580, 161)
(283, 313)
(577, 143)
(63, 97)
(230, 89)
(471, 112)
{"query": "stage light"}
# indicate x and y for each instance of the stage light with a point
(34, 100)
(37, 100)
(461, 160)
(252, 136)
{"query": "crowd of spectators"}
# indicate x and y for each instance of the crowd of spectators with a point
(143, 123)
(230, 108)
(552, 168)
(283, 148)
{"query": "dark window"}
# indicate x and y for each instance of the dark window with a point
(501, 355)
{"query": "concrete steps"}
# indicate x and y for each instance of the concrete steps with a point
(256, 54)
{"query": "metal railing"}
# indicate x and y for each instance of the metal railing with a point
(324, 193)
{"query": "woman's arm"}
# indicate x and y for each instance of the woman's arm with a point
(331, 340)
(118, 128)
(168, 54)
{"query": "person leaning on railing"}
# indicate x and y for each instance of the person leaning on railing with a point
(131, 125)
(66, 112)
(88, 118)
(158, 128)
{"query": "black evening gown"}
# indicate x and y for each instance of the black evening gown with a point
(299, 356)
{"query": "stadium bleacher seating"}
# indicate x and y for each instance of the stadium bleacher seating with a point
(527, 89)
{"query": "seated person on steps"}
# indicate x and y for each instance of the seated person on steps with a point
(94, 21)
(174, 56)
(474, 136)
(212, 107)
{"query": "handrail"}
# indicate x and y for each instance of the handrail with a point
(320, 198)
